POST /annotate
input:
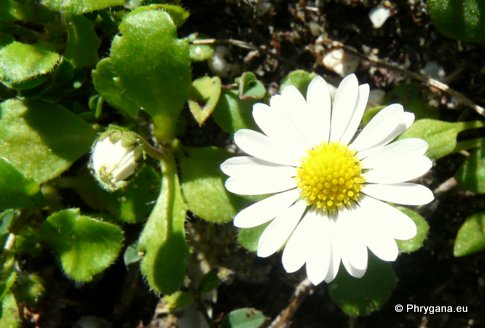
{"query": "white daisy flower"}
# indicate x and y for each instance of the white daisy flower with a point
(114, 158)
(330, 185)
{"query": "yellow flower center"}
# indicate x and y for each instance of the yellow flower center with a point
(330, 177)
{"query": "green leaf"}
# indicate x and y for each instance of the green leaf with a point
(299, 78)
(204, 95)
(363, 296)
(249, 237)
(27, 11)
(28, 288)
(17, 191)
(149, 68)
(198, 52)
(163, 238)
(232, 113)
(203, 184)
(130, 205)
(77, 7)
(459, 19)
(409, 95)
(250, 87)
(244, 318)
(82, 42)
(440, 135)
(471, 236)
(9, 312)
(86, 246)
(178, 14)
(412, 245)
(23, 66)
(471, 174)
(370, 113)
(41, 140)
(131, 254)
(178, 300)
(209, 281)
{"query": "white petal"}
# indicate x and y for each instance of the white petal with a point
(319, 251)
(277, 126)
(297, 247)
(343, 105)
(260, 146)
(386, 219)
(319, 103)
(400, 149)
(354, 250)
(384, 248)
(400, 193)
(335, 252)
(398, 169)
(246, 165)
(278, 231)
(266, 209)
(356, 117)
(247, 185)
(383, 124)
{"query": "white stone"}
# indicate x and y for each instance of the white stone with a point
(379, 15)
(340, 62)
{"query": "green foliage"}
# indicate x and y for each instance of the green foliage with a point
(82, 42)
(471, 174)
(203, 185)
(244, 318)
(24, 66)
(41, 140)
(471, 236)
(204, 94)
(156, 79)
(199, 52)
(459, 19)
(75, 239)
(440, 135)
(413, 244)
(299, 78)
(163, 239)
(249, 237)
(232, 113)
(77, 7)
(178, 300)
(17, 191)
(29, 288)
(9, 316)
(250, 87)
(363, 296)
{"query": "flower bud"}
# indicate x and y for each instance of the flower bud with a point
(115, 157)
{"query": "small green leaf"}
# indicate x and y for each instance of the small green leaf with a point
(178, 14)
(149, 68)
(471, 174)
(250, 87)
(27, 11)
(82, 42)
(209, 281)
(299, 78)
(409, 95)
(471, 236)
(232, 113)
(85, 246)
(412, 245)
(41, 140)
(17, 191)
(131, 254)
(28, 288)
(23, 66)
(77, 7)
(204, 95)
(244, 318)
(200, 52)
(370, 113)
(163, 238)
(9, 312)
(178, 300)
(440, 135)
(249, 237)
(459, 19)
(363, 296)
(203, 185)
